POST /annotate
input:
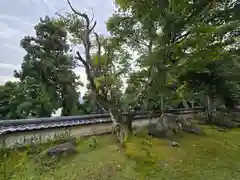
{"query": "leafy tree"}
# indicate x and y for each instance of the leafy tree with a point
(183, 36)
(8, 106)
(46, 75)
(105, 62)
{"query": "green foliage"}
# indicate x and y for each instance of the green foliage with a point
(8, 91)
(160, 54)
(46, 79)
(173, 38)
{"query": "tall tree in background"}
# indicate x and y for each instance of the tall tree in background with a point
(9, 101)
(46, 74)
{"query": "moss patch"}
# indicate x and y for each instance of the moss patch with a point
(214, 156)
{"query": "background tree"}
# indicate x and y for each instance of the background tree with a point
(9, 99)
(47, 73)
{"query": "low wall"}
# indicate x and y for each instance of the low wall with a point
(40, 136)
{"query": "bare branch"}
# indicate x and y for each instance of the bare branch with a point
(60, 15)
(87, 70)
(182, 37)
(93, 26)
(83, 15)
(79, 57)
(86, 33)
(92, 15)
(87, 62)
(99, 50)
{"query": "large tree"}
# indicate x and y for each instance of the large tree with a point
(182, 36)
(105, 62)
(46, 74)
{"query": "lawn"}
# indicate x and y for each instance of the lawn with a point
(214, 156)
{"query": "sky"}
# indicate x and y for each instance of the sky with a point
(18, 17)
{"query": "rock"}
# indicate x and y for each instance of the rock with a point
(194, 130)
(166, 126)
(175, 144)
(226, 124)
(170, 122)
(65, 148)
(156, 131)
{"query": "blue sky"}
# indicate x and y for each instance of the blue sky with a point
(18, 17)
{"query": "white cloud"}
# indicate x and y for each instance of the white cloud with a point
(15, 18)
(9, 66)
(8, 32)
(15, 47)
(4, 79)
(50, 5)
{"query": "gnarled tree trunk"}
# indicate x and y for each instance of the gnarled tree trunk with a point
(101, 94)
(120, 128)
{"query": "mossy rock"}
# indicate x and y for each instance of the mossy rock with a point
(156, 131)
(226, 123)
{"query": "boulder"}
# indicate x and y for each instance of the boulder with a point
(64, 148)
(166, 126)
(226, 123)
(193, 129)
(156, 131)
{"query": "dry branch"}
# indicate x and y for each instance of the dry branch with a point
(99, 50)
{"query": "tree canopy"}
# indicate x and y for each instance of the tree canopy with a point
(160, 54)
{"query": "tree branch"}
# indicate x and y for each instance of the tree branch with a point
(93, 26)
(99, 50)
(87, 62)
(92, 15)
(83, 15)
(87, 70)
(182, 37)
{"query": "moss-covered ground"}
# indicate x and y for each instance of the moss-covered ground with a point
(214, 156)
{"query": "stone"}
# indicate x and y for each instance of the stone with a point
(156, 131)
(194, 130)
(64, 148)
(175, 144)
(166, 126)
(226, 123)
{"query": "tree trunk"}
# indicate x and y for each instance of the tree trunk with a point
(129, 120)
(162, 105)
(119, 126)
(192, 104)
(185, 104)
(209, 110)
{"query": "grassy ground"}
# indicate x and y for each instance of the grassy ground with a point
(213, 156)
